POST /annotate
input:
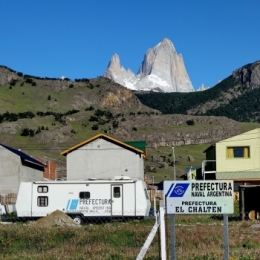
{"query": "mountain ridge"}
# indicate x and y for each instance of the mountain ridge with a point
(236, 97)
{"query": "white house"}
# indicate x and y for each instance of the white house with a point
(16, 167)
(104, 157)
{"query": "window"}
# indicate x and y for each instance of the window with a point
(238, 152)
(42, 201)
(42, 189)
(84, 195)
(117, 192)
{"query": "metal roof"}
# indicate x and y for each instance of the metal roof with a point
(106, 137)
(23, 156)
(243, 175)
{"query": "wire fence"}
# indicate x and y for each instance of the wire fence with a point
(57, 236)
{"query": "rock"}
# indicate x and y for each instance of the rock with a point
(255, 226)
(163, 135)
(7, 75)
(163, 165)
(10, 128)
(162, 70)
(119, 75)
(163, 67)
(249, 75)
(157, 158)
(150, 168)
(190, 158)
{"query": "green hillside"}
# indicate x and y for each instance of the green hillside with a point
(44, 116)
(236, 97)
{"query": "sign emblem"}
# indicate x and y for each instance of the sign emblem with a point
(177, 191)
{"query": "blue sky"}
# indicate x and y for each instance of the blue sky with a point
(77, 39)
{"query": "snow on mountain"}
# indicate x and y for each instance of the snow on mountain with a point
(202, 87)
(162, 70)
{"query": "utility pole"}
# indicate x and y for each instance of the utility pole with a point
(174, 172)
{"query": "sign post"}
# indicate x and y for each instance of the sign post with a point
(200, 197)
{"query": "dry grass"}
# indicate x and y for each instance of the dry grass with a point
(197, 237)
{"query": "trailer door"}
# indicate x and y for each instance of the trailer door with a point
(117, 200)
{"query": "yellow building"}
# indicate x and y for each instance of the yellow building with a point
(236, 158)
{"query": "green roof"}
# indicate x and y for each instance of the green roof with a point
(141, 145)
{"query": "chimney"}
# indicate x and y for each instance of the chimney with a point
(50, 171)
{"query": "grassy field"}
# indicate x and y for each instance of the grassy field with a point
(182, 161)
(198, 237)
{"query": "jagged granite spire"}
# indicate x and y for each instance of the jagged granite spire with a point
(162, 69)
(114, 67)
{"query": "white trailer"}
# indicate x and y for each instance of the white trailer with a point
(82, 200)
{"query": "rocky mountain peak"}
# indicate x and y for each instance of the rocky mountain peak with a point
(202, 87)
(166, 44)
(113, 66)
(162, 69)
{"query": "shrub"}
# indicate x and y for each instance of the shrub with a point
(28, 80)
(13, 82)
(93, 119)
(115, 124)
(94, 127)
(89, 85)
(108, 114)
(190, 122)
(99, 112)
(27, 132)
(89, 108)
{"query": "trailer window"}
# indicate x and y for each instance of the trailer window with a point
(117, 192)
(42, 201)
(42, 189)
(84, 195)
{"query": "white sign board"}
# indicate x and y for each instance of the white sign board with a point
(199, 197)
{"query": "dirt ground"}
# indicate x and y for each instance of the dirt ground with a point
(57, 218)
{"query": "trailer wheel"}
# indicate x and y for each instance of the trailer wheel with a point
(77, 219)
